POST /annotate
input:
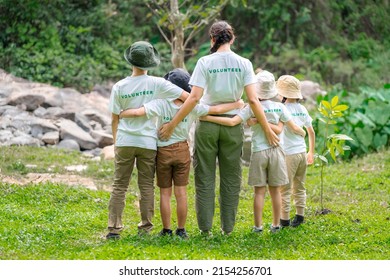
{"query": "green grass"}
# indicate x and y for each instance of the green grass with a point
(55, 221)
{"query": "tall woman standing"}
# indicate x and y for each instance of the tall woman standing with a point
(220, 77)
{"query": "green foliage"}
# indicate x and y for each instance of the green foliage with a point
(49, 221)
(81, 43)
(334, 144)
(367, 121)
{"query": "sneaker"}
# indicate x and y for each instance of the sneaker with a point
(257, 229)
(298, 219)
(285, 223)
(113, 236)
(165, 232)
(275, 229)
(181, 232)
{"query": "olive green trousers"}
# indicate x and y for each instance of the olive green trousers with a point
(217, 142)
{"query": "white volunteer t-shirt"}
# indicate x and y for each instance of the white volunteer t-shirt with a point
(291, 142)
(223, 76)
(274, 111)
(165, 111)
(134, 92)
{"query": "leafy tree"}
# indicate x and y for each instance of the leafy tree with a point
(180, 21)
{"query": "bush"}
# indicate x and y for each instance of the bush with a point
(367, 121)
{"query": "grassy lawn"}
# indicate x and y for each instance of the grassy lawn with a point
(42, 221)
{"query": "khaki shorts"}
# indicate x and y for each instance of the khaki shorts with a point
(268, 167)
(173, 163)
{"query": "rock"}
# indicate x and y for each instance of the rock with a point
(310, 90)
(22, 139)
(51, 138)
(69, 144)
(57, 113)
(31, 101)
(94, 115)
(70, 130)
(108, 152)
(83, 122)
(102, 138)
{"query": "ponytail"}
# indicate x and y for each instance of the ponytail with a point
(222, 33)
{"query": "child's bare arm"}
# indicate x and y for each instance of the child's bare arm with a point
(114, 125)
(312, 141)
(132, 113)
(277, 128)
(296, 129)
(223, 108)
(222, 120)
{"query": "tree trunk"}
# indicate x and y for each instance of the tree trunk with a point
(177, 48)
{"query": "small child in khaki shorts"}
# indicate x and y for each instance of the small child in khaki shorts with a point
(173, 160)
(267, 164)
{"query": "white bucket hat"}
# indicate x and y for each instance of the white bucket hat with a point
(288, 86)
(266, 85)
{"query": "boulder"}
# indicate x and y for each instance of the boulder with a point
(70, 130)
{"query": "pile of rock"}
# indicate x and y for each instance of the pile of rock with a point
(37, 114)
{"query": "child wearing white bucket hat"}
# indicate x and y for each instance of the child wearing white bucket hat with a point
(135, 139)
(267, 164)
(297, 159)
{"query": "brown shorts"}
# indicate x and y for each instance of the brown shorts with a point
(173, 163)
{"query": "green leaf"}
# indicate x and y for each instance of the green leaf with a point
(322, 158)
(340, 108)
(334, 101)
(323, 111)
(332, 152)
(380, 140)
(323, 120)
(340, 137)
(364, 135)
(326, 104)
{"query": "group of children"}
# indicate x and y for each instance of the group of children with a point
(141, 103)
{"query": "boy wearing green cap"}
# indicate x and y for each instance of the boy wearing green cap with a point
(136, 138)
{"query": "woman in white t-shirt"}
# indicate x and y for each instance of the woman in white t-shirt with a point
(220, 77)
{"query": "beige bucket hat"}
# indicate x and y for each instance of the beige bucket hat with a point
(288, 86)
(266, 85)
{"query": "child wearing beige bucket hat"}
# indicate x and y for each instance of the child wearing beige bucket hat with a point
(135, 139)
(267, 165)
(297, 159)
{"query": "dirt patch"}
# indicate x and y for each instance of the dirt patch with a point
(36, 178)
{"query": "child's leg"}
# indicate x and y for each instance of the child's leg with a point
(277, 176)
(165, 207)
(276, 204)
(258, 205)
(181, 205)
(146, 166)
(124, 163)
(299, 190)
(286, 190)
